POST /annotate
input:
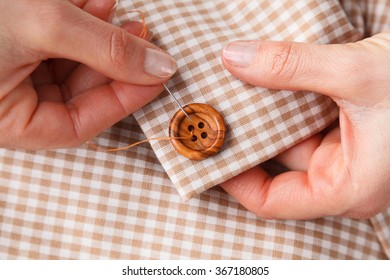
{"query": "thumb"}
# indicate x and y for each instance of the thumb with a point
(343, 71)
(74, 34)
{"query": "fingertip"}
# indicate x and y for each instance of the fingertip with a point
(159, 64)
(240, 53)
(242, 59)
(327, 69)
(249, 188)
(268, 64)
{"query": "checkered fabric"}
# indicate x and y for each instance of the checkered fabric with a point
(85, 204)
(369, 17)
(261, 123)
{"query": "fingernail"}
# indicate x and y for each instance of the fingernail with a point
(159, 64)
(240, 53)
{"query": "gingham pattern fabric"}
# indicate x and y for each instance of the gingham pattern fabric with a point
(261, 123)
(85, 204)
(369, 17)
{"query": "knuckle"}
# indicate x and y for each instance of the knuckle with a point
(284, 61)
(78, 137)
(121, 48)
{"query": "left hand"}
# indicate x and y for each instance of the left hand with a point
(344, 173)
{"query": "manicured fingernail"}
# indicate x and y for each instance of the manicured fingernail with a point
(159, 64)
(240, 53)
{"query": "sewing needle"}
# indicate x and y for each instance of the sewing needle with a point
(181, 107)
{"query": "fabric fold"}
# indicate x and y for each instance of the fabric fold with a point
(261, 123)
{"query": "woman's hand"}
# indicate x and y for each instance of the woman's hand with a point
(347, 171)
(66, 74)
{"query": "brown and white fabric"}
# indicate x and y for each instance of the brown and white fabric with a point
(83, 204)
(86, 204)
(261, 123)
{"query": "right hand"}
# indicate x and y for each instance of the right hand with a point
(66, 74)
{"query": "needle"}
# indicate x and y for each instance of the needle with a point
(181, 107)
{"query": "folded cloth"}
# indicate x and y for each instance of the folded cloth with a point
(260, 122)
(86, 204)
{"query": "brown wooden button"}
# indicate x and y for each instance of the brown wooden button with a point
(205, 131)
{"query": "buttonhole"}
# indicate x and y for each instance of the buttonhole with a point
(201, 125)
(194, 138)
(204, 135)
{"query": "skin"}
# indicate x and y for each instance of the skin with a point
(346, 171)
(66, 73)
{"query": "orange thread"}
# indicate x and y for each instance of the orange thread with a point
(142, 17)
(109, 149)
